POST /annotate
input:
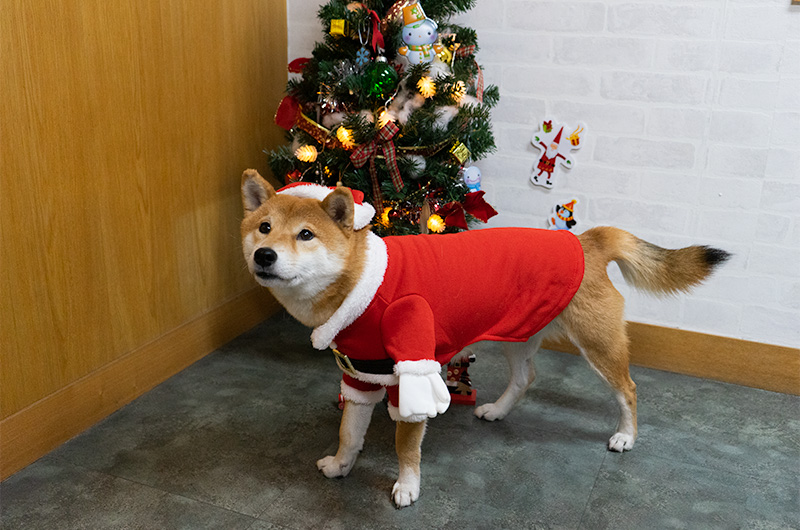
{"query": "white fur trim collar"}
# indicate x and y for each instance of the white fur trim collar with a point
(359, 298)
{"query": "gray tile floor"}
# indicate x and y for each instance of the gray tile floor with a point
(231, 442)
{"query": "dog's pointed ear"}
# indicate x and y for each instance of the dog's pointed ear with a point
(340, 207)
(255, 190)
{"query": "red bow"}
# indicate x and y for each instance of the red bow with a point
(287, 113)
(377, 36)
(298, 65)
(474, 204)
(368, 152)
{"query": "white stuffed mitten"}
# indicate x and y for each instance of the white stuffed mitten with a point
(422, 393)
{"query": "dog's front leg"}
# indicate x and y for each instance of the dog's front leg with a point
(355, 421)
(408, 443)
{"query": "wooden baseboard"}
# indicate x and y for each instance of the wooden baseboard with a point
(39, 428)
(753, 364)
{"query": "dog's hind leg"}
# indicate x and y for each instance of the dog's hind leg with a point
(408, 443)
(355, 421)
(609, 358)
(520, 362)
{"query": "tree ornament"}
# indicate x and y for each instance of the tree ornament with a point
(380, 79)
(340, 27)
(419, 34)
(555, 141)
(306, 153)
(426, 87)
(460, 153)
(472, 178)
(436, 223)
(293, 176)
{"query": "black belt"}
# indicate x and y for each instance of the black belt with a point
(350, 366)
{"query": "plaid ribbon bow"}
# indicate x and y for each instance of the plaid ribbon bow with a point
(368, 151)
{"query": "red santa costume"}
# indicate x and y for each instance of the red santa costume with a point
(422, 299)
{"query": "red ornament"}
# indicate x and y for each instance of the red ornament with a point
(293, 176)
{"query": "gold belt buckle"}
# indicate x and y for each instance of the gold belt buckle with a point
(344, 362)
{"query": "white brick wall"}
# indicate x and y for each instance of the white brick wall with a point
(693, 110)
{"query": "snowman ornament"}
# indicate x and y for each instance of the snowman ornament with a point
(419, 34)
(472, 178)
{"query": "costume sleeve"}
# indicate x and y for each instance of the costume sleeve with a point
(409, 338)
(408, 331)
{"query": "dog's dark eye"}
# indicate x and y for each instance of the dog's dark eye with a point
(264, 228)
(305, 235)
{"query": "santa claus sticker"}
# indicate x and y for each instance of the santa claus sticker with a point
(555, 141)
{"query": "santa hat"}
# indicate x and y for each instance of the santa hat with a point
(570, 205)
(557, 139)
(364, 212)
(414, 14)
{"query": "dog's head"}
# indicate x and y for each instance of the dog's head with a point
(295, 245)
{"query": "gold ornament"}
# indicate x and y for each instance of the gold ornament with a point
(340, 27)
(436, 223)
(346, 137)
(460, 152)
(306, 153)
(426, 86)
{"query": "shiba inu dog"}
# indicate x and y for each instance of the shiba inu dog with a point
(395, 309)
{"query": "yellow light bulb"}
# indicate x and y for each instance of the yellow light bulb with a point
(306, 153)
(345, 137)
(426, 86)
(436, 223)
(385, 216)
(459, 90)
(384, 118)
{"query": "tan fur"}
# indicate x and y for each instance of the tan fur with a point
(288, 215)
(593, 320)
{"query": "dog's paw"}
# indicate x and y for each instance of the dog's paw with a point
(404, 493)
(620, 442)
(490, 412)
(331, 467)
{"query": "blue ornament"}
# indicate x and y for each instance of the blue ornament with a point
(362, 57)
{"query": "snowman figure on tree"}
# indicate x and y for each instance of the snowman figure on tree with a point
(419, 34)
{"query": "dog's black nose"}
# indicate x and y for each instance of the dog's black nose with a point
(265, 257)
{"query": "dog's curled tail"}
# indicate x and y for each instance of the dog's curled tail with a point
(652, 268)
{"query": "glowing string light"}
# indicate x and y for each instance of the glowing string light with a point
(426, 87)
(306, 153)
(436, 223)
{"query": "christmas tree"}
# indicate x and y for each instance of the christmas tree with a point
(392, 103)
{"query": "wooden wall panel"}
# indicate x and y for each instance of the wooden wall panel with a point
(125, 128)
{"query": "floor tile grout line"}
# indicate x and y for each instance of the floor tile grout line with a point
(591, 491)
